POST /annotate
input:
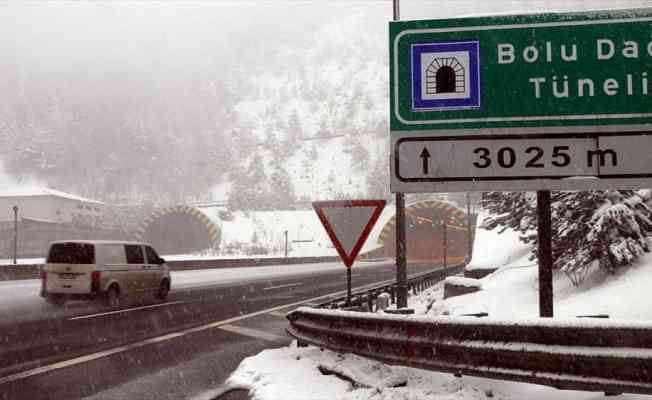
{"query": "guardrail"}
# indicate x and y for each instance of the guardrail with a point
(591, 355)
(417, 283)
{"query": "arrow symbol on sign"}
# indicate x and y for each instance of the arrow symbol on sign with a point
(425, 157)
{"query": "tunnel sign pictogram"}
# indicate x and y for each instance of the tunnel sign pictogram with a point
(348, 224)
(445, 75)
(521, 102)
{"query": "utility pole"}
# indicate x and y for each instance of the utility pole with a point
(15, 234)
(285, 233)
(401, 259)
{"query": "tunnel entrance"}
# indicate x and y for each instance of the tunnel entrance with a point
(424, 233)
(445, 80)
(179, 232)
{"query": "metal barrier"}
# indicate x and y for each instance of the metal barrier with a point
(592, 355)
(416, 284)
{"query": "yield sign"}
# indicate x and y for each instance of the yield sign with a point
(348, 223)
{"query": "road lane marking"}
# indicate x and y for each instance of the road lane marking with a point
(283, 286)
(278, 314)
(169, 336)
(87, 358)
(123, 311)
(254, 333)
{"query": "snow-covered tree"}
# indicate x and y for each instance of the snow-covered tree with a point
(294, 128)
(249, 188)
(514, 210)
(282, 195)
(604, 228)
(378, 179)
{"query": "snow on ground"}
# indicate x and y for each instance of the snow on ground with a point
(22, 261)
(493, 250)
(461, 281)
(510, 292)
(293, 373)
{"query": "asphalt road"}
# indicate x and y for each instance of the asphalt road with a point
(180, 348)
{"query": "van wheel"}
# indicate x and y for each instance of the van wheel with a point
(163, 290)
(113, 297)
(56, 300)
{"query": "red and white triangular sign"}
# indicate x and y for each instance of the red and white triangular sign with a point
(348, 224)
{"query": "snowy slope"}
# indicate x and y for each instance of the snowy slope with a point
(493, 250)
(512, 291)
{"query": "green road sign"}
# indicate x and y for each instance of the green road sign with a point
(546, 70)
(522, 102)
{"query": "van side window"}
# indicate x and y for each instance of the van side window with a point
(152, 257)
(134, 254)
(113, 254)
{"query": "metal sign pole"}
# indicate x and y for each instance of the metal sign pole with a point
(468, 224)
(348, 286)
(544, 253)
(401, 267)
(401, 264)
(445, 242)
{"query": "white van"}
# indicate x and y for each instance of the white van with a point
(90, 269)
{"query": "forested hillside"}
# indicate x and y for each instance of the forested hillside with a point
(153, 104)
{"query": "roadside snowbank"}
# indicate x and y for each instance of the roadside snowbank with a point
(512, 292)
(466, 282)
(293, 373)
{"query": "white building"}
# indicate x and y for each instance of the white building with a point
(48, 205)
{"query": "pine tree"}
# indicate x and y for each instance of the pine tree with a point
(294, 128)
(282, 195)
(514, 210)
(604, 228)
(378, 179)
(257, 179)
(249, 187)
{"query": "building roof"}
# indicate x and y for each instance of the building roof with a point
(33, 191)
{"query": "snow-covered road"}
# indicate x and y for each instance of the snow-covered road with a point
(21, 297)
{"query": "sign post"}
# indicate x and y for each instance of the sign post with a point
(348, 224)
(522, 102)
(544, 252)
(401, 247)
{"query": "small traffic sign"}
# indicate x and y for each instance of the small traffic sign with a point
(521, 102)
(348, 224)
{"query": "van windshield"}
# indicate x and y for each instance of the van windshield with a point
(72, 253)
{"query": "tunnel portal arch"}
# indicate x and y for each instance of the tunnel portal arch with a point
(424, 233)
(180, 230)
